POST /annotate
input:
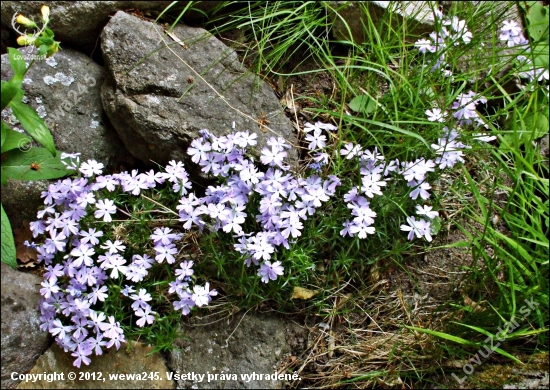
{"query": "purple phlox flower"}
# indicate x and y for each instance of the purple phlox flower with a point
(269, 271)
(361, 229)
(127, 290)
(59, 330)
(417, 170)
(421, 189)
(425, 45)
(141, 299)
(177, 287)
(83, 254)
(427, 211)
(144, 261)
(318, 126)
(47, 210)
(273, 157)
(316, 195)
(191, 216)
(317, 140)
(322, 158)
(56, 243)
(111, 329)
(116, 264)
(53, 272)
(80, 327)
(116, 340)
(199, 150)
(350, 150)
(346, 230)
(260, 247)
(202, 296)
(85, 198)
(135, 273)
(163, 236)
(113, 247)
(436, 115)
(146, 316)
(107, 181)
(363, 214)
(420, 228)
(37, 228)
(83, 350)
(91, 167)
(97, 320)
(512, 33)
(278, 142)
(185, 304)
(371, 184)
(245, 139)
(85, 275)
(90, 236)
(450, 152)
(153, 177)
(95, 343)
(99, 293)
(104, 209)
(235, 217)
(186, 270)
(166, 252)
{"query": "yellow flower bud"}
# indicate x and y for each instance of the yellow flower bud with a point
(45, 10)
(25, 21)
(25, 40)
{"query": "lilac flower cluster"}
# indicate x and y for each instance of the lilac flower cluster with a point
(80, 261)
(438, 42)
(285, 201)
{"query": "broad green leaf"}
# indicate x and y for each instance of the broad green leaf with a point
(18, 65)
(32, 123)
(537, 16)
(12, 139)
(35, 164)
(8, 244)
(362, 103)
(9, 91)
(538, 123)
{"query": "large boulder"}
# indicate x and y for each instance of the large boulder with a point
(64, 91)
(22, 340)
(157, 102)
(227, 350)
(79, 23)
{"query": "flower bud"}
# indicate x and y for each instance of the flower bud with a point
(25, 40)
(25, 21)
(45, 10)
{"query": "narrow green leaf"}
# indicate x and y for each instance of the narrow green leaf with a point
(35, 164)
(32, 123)
(462, 341)
(8, 244)
(18, 65)
(12, 139)
(9, 91)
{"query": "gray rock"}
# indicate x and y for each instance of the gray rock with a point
(21, 200)
(252, 343)
(129, 360)
(22, 340)
(418, 16)
(79, 23)
(155, 106)
(64, 91)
